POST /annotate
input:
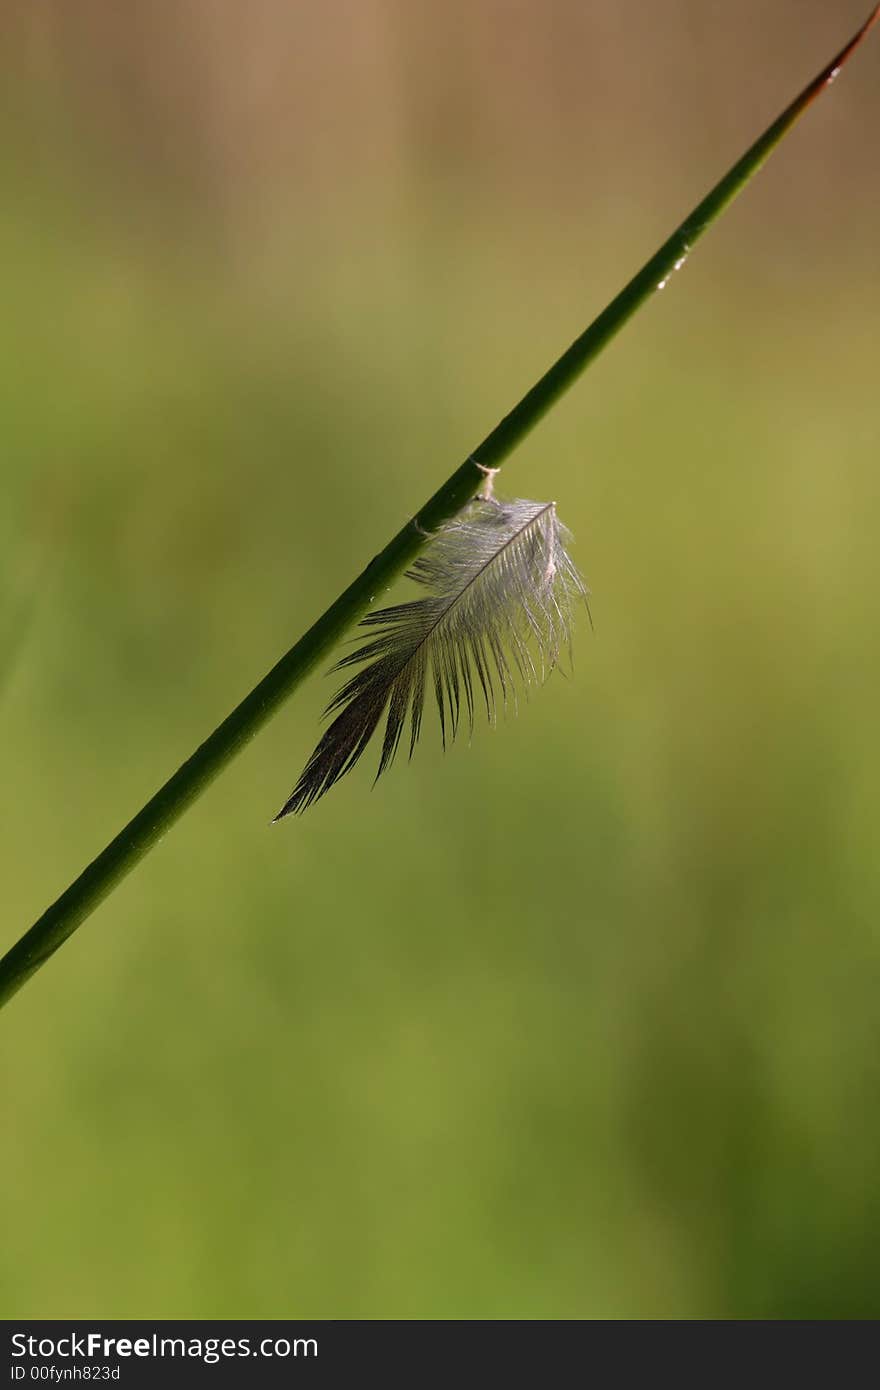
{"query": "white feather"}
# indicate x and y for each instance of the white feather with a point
(500, 589)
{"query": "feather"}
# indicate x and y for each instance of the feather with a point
(500, 586)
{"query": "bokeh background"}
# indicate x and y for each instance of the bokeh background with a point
(580, 1021)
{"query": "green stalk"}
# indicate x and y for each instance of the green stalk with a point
(121, 855)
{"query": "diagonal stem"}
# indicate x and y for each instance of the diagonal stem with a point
(126, 850)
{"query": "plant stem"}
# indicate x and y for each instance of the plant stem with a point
(121, 855)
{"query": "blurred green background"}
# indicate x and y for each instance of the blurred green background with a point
(581, 1020)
